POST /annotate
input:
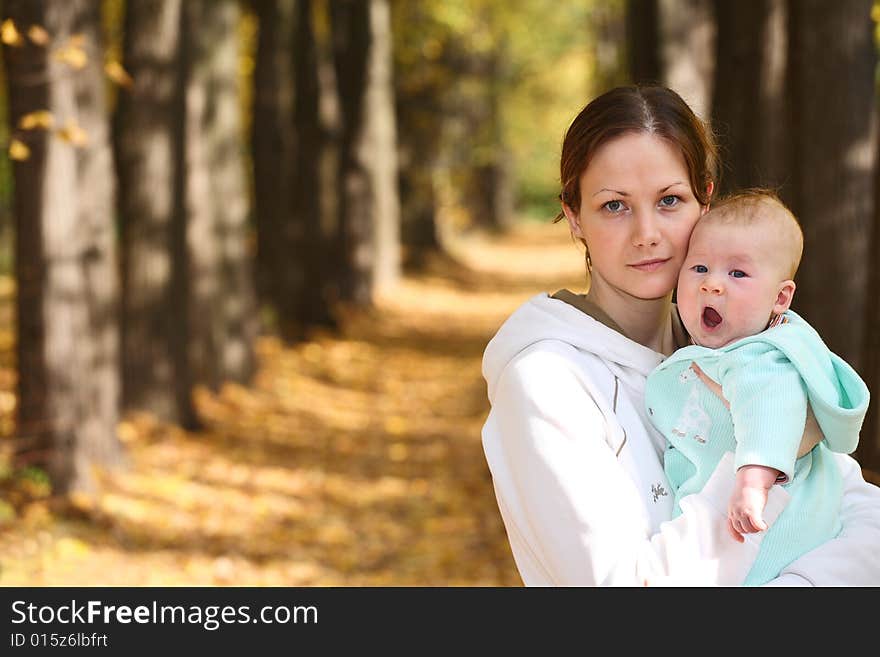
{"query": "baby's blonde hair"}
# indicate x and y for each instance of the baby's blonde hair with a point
(758, 206)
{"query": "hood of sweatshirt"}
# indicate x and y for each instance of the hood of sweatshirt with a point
(545, 318)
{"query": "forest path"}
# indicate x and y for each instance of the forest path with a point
(353, 459)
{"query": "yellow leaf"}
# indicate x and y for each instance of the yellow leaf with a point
(118, 74)
(398, 452)
(9, 33)
(38, 35)
(73, 56)
(38, 119)
(73, 134)
(18, 150)
(394, 424)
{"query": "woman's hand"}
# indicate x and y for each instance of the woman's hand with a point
(812, 432)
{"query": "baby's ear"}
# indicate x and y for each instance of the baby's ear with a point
(784, 297)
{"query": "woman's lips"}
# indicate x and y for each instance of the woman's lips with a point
(650, 265)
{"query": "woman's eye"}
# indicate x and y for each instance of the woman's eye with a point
(738, 273)
(613, 206)
(669, 201)
(700, 269)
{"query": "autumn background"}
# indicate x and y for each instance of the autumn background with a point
(251, 253)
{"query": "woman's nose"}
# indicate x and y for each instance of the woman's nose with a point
(646, 231)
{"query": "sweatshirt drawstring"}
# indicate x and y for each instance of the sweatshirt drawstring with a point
(614, 409)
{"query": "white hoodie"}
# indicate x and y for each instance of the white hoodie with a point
(579, 479)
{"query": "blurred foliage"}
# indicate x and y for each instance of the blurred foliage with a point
(543, 78)
(441, 47)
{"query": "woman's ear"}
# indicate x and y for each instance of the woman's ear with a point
(710, 188)
(784, 297)
(573, 223)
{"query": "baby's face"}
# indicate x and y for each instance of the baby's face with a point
(730, 283)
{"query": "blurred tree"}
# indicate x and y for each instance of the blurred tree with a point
(643, 41)
(484, 91)
(369, 214)
(222, 312)
(420, 85)
(738, 114)
(687, 36)
(189, 305)
(313, 176)
(487, 61)
(149, 143)
(271, 152)
(288, 146)
(670, 42)
(608, 29)
(832, 158)
(868, 452)
(747, 101)
(65, 253)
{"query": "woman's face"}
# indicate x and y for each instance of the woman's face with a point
(636, 215)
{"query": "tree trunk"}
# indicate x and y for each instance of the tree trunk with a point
(771, 165)
(496, 174)
(747, 104)
(831, 115)
(271, 147)
(368, 205)
(305, 230)
(420, 113)
(149, 152)
(739, 66)
(66, 327)
(643, 41)
(868, 452)
(97, 215)
(687, 36)
(608, 27)
(221, 297)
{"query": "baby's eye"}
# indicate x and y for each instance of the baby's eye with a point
(738, 273)
(614, 206)
(669, 201)
(700, 269)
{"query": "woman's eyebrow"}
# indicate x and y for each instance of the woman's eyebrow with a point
(670, 186)
(613, 191)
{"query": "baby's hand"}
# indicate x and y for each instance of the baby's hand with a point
(745, 511)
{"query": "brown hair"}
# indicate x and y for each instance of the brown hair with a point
(759, 205)
(653, 109)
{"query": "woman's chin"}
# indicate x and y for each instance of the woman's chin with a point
(652, 294)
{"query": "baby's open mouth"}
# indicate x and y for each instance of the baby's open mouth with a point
(711, 318)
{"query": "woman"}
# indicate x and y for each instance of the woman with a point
(575, 462)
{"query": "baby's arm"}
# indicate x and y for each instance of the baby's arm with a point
(768, 405)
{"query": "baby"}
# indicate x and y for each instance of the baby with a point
(734, 292)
